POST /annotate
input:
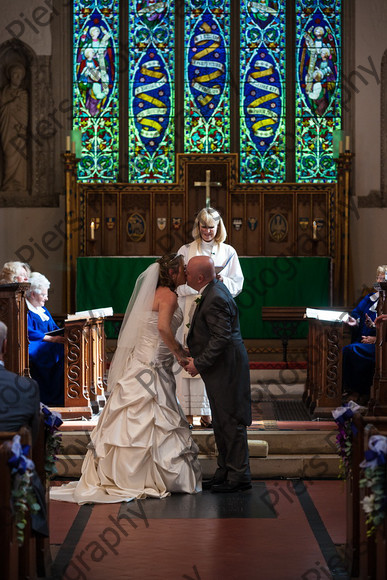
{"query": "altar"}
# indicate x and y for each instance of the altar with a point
(269, 281)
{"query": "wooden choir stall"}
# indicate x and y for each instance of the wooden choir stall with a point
(13, 312)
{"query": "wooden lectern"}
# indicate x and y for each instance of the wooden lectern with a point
(323, 386)
(85, 367)
(13, 312)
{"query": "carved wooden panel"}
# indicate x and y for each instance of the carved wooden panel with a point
(323, 388)
(13, 312)
(84, 362)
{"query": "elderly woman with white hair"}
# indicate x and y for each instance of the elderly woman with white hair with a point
(46, 353)
(209, 234)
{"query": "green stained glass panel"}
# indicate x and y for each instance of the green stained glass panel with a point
(95, 87)
(318, 88)
(262, 91)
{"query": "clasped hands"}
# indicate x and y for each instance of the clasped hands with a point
(187, 362)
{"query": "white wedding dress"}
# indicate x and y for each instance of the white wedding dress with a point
(141, 446)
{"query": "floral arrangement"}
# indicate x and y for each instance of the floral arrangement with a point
(52, 422)
(23, 496)
(374, 466)
(343, 418)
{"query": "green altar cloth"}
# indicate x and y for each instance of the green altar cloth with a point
(269, 281)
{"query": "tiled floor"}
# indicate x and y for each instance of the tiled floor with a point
(279, 530)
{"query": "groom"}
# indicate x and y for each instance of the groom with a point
(218, 354)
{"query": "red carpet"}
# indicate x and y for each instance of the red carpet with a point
(260, 365)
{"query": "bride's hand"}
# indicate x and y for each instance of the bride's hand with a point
(190, 368)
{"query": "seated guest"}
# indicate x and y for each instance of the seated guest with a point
(19, 407)
(14, 272)
(19, 396)
(46, 352)
(359, 356)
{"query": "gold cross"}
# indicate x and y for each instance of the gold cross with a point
(207, 184)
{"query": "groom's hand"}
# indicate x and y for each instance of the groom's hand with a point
(190, 367)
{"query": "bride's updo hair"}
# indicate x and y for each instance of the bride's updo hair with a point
(167, 263)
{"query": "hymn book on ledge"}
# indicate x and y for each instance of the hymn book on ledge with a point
(95, 313)
(327, 315)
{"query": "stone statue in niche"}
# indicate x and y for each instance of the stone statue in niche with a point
(14, 132)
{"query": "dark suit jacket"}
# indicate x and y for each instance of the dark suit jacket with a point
(19, 402)
(19, 406)
(215, 342)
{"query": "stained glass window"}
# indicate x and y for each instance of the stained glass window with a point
(318, 88)
(151, 91)
(95, 87)
(207, 76)
(262, 91)
(172, 53)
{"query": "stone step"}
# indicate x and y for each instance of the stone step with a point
(294, 442)
(310, 466)
(303, 453)
(285, 376)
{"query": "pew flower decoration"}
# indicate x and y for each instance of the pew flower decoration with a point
(374, 470)
(343, 418)
(22, 495)
(52, 422)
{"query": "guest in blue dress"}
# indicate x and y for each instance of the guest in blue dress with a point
(46, 353)
(359, 356)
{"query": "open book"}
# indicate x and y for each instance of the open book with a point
(327, 315)
(220, 268)
(95, 313)
(56, 332)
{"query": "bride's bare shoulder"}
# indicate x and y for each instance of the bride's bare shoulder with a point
(165, 295)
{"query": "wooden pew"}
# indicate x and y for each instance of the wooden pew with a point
(352, 548)
(26, 566)
(373, 552)
(8, 540)
(43, 553)
(13, 312)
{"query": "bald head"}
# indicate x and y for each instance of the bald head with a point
(3, 339)
(200, 271)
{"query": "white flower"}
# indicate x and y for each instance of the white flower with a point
(352, 406)
(368, 503)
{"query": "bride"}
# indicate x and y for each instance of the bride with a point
(141, 446)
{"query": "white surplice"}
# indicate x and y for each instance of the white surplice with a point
(191, 391)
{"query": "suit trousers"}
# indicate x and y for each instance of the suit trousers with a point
(233, 450)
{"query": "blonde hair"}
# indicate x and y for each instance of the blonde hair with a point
(10, 270)
(381, 270)
(209, 217)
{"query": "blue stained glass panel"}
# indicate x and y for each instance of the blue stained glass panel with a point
(151, 54)
(207, 76)
(262, 91)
